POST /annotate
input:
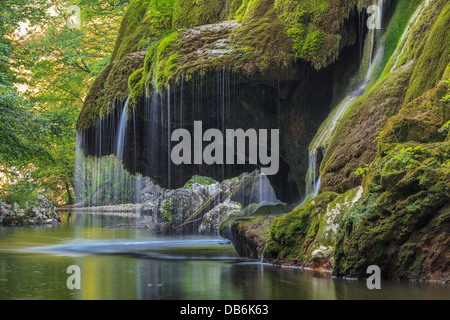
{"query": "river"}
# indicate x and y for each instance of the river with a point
(134, 264)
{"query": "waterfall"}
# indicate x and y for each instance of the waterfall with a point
(119, 152)
(313, 174)
(403, 39)
(169, 148)
(101, 179)
(327, 130)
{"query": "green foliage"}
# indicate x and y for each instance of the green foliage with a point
(160, 13)
(21, 130)
(23, 193)
(399, 21)
(292, 236)
(434, 59)
(167, 209)
(205, 181)
(361, 172)
(54, 66)
(407, 191)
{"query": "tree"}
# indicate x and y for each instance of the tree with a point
(54, 65)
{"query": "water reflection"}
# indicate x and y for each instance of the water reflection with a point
(133, 264)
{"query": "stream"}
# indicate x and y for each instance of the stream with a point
(135, 264)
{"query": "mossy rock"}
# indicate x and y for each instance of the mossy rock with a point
(248, 229)
(405, 104)
(110, 89)
(402, 224)
(420, 120)
(354, 144)
(269, 35)
(302, 235)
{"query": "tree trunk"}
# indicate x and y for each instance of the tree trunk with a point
(69, 194)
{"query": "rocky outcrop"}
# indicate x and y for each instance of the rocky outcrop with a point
(41, 211)
(402, 225)
(196, 208)
(306, 236)
(213, 218)
(283, 64)
(272, 71)
(248, 229)
(355, 144)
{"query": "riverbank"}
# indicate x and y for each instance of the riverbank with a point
(37, 212)
(129, 210)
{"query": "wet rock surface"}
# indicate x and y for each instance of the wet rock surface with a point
(41, 211)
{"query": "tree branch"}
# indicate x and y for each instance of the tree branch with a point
(75, 64)
(65, 90)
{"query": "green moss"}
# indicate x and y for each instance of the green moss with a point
(268, 210)
(134, 32)
(193, 13)
(254, 211)
(205, 181)
(292, 236)
(235, 5)
(167, 209)
(403, 12)
(316, 28)
(354, 143)
(432, 63)
(136, 83)
(420, 120)
(407, 189)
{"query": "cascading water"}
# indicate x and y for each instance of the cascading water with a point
(326, 131)
(403, 39)
(120, 147)
(101, 179)
(134, 139)
(313, 175)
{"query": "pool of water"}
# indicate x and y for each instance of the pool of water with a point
(134, 264)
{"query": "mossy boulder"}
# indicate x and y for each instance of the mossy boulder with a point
(307, 235)
(248, 229)
(37, 212)
(409, 84)
(403, 223)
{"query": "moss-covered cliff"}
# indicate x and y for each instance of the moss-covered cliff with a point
(394, 140)
(417, 65)
(251, 37)
(385, 174)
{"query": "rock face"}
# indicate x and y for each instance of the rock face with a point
(41, 211)
(233, 74)
(195, 209)
(282, 65)
(248, 228)
(213, 218)
(307, 235)
(394, 140)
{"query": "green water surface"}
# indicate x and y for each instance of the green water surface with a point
(134, 264)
